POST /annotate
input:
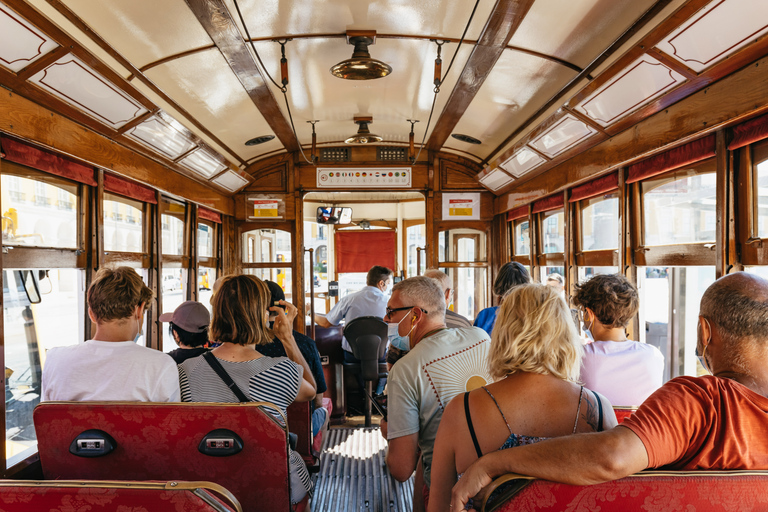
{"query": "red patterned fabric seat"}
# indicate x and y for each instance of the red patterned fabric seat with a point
(27, 496)
(657, 491)
(159, 441)
(300, 423)
(623, 413)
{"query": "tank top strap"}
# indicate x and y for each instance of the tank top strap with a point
(500, 411)
(578, 409)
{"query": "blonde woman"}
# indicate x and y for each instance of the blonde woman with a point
(534, 358)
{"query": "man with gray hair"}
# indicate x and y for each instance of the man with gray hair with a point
(712, 422)
(442, 363)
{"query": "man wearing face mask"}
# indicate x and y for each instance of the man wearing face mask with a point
(690, 423)
(442, 363)
(112, 366)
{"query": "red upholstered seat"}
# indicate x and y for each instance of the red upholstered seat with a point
(27, 496)
(300, 423)
(623, 413)
(159, 441)
(317, 444)
(658, 491)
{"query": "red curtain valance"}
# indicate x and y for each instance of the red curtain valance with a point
(517, 213)
(45, 161)
(129, 189)
(595, 187)
(358, 251)
(549, 203)
(752, 131)
(684, 155)
(206, 214)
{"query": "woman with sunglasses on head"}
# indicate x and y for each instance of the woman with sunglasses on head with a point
(534, 358)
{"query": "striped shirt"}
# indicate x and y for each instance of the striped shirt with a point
(266, 379)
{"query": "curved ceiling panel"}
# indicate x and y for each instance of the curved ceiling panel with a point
(438, 18)
(515, 89)
(580, 31)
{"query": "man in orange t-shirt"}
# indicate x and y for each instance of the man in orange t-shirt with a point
(712, 422)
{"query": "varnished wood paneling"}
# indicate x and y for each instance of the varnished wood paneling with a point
(270, 179)
(29, 121)
(455, 176)
(691, 118)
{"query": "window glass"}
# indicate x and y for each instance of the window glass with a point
(522, 238)
(587, 272)
(205, 279)
(462, 245)
(316, 237)
(30, 330)
(123, 227)
(266, 246)
(205, 235)
(669, 305)
(553, 231)
(600, 222)
(416, 238)
(679, 209)
(38, 214)
(469, 290)
(761, 189)
(173, 295)
(281, 276)
(173, 235)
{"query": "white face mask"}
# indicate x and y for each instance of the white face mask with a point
(140, 331)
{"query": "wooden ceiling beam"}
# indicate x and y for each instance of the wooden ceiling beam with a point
(506, 17)
(217, 21)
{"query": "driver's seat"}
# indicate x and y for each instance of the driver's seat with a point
(367, 335)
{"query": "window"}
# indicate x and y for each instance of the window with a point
(119, 234)
(462, 245)
(173, 283)
(587, 272)
(30, 330)
(205, 237)
(600, 222)
(761, 189)
(679, 208)
(172, 221)
(415, 242)
(522, 243)
(39, 224)
(267, 254)
(462, 255)
(553, 231)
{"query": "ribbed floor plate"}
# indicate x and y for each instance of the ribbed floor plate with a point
(354, 477)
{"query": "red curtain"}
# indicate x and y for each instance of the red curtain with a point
(549, 203)
(206, 214)
(45, 161)
(129, 189)
(595, 187)
(752, 131)
(684, 155)
(517, 213)
(358, 251)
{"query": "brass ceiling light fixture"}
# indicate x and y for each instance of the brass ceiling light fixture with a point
(364, 135)
(361, 66)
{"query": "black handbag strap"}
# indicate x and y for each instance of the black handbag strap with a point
(222, 373)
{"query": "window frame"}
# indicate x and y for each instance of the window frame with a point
(754, 249)
(599, 257)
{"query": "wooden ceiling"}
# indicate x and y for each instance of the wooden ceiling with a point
(535, 81)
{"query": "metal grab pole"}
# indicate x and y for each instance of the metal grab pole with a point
(418, 259)
(311, 293)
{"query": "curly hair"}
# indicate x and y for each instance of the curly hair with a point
(535, 333)
(612, 298)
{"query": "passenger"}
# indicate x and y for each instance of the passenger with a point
(442, 363)
(625, 371)
(690, 423)
(510, 274)
(188, 326)
(557, 282)
(239, 321)
(534, 358)
(311, 355)
(111, 365)
(370, 301)
(451, 319)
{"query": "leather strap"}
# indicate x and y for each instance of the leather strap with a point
(224, 376)
(469, 424)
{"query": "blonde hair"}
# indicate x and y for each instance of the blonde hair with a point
(534, 332)
(239, 311)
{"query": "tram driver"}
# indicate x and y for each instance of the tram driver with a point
(710, 422)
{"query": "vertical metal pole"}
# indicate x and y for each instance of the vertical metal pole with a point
(311, 293)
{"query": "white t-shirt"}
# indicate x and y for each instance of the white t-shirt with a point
(625, 372)
(421, 384)
(110, 370)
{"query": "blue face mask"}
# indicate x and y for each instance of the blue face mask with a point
(140, 333)
(399, 342)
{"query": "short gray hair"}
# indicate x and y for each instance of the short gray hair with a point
(441, 277)
(737, 305)
(422, 292)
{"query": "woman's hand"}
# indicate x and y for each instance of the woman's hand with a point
(283, 326)
(471, 485)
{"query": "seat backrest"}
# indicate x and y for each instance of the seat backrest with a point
(623, 413)
(161, 441)
(27, 495)
(300, 423)
(703, 491)
(367, 335)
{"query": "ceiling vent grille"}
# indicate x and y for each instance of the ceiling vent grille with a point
(386, 154)
(334, 155)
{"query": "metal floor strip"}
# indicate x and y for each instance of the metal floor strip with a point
(354, 477)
